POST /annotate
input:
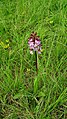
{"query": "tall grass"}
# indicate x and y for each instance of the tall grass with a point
(24, 94)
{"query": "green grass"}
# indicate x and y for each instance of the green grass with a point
(23, 93)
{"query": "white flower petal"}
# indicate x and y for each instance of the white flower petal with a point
(30, 39)
(31, 52)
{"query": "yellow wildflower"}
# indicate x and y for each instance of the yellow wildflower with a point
(7, 40)
(4, 45)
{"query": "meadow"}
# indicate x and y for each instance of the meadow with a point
(24, 94)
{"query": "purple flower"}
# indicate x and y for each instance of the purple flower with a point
(34, 43)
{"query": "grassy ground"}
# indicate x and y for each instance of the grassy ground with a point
(24, 94)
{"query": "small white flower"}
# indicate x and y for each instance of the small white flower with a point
(31, 52)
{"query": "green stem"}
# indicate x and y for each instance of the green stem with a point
(36, 62)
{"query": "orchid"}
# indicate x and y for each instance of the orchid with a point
(34, 43)
(35, 46)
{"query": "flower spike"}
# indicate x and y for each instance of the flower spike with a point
(34, 43)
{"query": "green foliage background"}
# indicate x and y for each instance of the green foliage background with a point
(24, 94)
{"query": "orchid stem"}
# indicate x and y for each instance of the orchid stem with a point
(36, 62)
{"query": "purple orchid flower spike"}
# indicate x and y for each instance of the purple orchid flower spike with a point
(34, 43)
